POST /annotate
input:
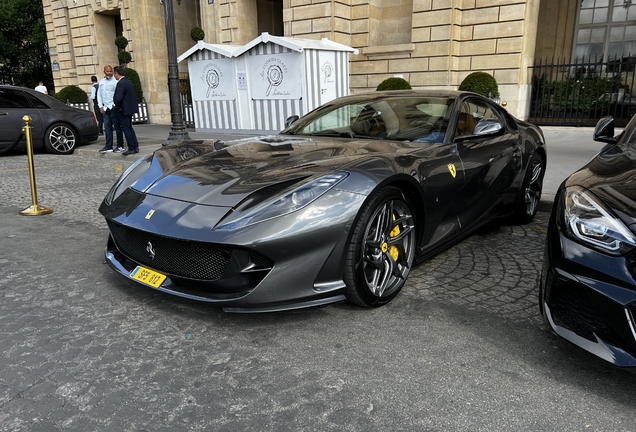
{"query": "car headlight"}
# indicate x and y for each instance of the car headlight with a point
(127, 179)
(289, 202)
(588, 220)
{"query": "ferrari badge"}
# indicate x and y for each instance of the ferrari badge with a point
(452, 169)
(151, 212)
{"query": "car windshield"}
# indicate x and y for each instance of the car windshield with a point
(400, 117)
(628, 135)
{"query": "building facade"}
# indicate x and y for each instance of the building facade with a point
(430, 43)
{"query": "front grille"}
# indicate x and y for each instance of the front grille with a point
(178, 257)
(575, 310)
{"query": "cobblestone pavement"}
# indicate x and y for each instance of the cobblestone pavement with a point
(498, 276)
(495, 271)
(461, 348)
(73, 186)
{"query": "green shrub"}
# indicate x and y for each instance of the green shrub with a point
(197, 34)
(394, 84)
(133, 76)
(124, 57)
(582, 92)
(72, 94)
(481, 83)
(121, 42)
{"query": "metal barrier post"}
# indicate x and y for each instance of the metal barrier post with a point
(34, 209)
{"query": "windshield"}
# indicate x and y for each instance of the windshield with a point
(400, 117)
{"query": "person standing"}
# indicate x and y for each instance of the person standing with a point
(105, 94)
(41, 88)
(98, 113)
(125, 107)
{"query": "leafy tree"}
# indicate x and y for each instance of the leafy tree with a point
(24, 58)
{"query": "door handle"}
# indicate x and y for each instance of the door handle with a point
(4, 113)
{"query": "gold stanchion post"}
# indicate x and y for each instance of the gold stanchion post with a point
(34, 209)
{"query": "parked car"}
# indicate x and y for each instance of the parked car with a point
(618, 105)
(56, 127)
(588, 287)
(339, 205)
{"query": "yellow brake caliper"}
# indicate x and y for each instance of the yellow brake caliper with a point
(393, 251)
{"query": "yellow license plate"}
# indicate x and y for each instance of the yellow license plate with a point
(147, 276)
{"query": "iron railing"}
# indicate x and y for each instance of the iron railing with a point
(580, 93)
(186, 99)
(140, 117)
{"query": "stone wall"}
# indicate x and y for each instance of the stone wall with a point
(441, 43)
(555, 36)
(81, 36)
(430, 43)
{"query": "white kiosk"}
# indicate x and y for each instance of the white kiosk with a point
(214, 97)
(255, 87)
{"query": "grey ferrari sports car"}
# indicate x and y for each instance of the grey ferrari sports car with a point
(338, 206)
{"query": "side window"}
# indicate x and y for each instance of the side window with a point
(337, 120)
(13, 99)
(35, 102)
(471, 113)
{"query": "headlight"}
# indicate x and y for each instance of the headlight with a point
(587, 219)
(127, 179)
(291, 201)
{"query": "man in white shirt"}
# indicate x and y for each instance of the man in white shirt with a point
(41, 88)
(105, 94)
(93, 99)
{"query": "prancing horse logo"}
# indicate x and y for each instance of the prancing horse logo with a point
(452, 169)
(151, 250)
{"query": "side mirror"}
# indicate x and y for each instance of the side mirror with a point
(604, 130)
(482, 129)
(291, 119)
(487, 127)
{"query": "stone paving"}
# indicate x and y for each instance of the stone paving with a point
(73, 185)
(495, 270)
(461, 347)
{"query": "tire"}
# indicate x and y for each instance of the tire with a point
(381, 251)
(60, 139)
(530, 193)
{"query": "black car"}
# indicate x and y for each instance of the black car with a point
(588, 285)
(337, 206)
(56, 127)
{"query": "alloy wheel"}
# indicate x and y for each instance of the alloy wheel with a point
(388, 248)
(62, 139)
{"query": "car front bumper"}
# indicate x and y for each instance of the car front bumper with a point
(589, 298)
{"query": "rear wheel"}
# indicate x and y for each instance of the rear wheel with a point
(381, 251)
(60, 139)
(530, 194)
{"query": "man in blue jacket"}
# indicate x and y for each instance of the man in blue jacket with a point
(125, 107)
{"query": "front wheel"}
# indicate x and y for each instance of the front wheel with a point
(60, 139)
(381, 251)
(530, 194)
